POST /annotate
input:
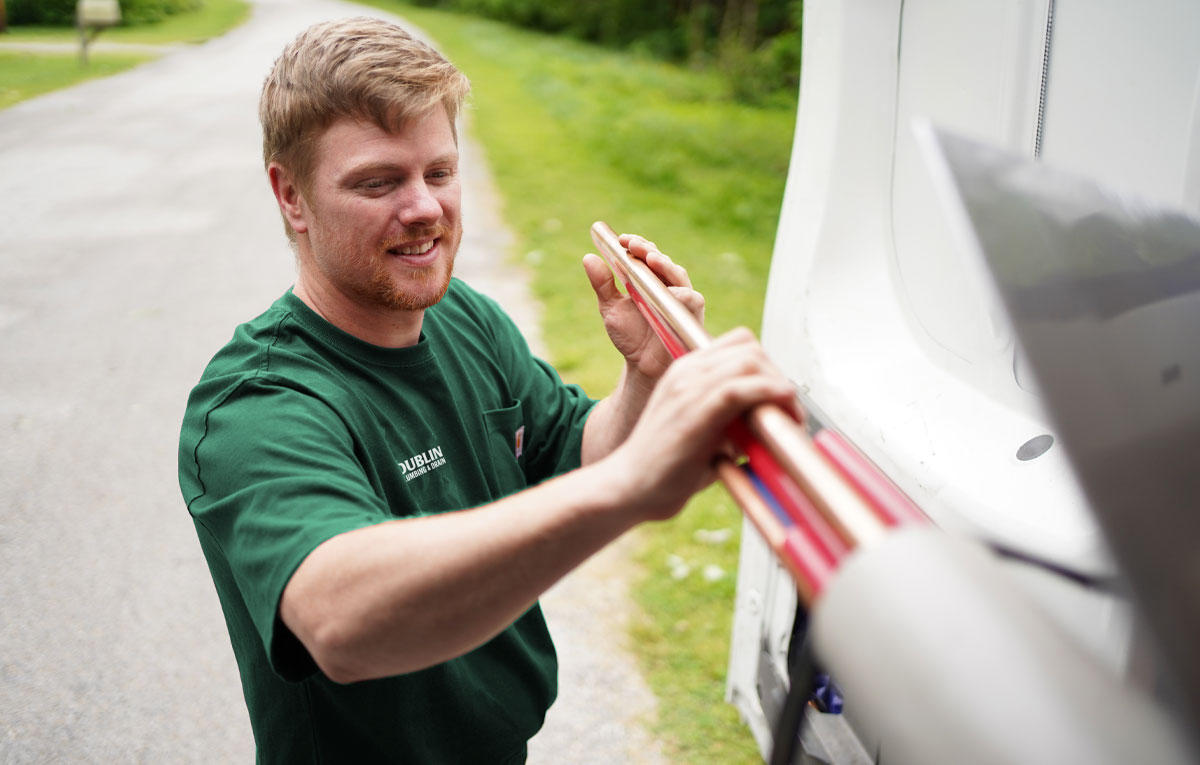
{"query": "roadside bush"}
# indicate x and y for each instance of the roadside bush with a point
(757, 76)
(61, 13)
(41, 12)
(754, 43)
(134, 12)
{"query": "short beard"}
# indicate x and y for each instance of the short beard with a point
(386, 294)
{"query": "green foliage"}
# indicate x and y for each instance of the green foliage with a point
(754, 43)
(25, 75)
(135, 12)
(759, 74)
(47, 12)
(575, 133)
(62, 12)
(212, 19)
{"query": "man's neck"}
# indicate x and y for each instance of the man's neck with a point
(374, 325)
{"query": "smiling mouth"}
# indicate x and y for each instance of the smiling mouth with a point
(413, 249)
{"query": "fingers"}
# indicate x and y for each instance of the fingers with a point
(784, 392)
(670, 272)
(749, 377)
(728, 377)
(601, 278)
(692, 300)
(638, 243)
(684, 424)
(735, 336)
(780, 390)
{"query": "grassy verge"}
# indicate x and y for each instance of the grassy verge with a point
(575, 133)
(213, 19)
(25, 74)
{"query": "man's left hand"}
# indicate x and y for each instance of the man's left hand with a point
(644, 354)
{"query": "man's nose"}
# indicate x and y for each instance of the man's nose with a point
(417, 204)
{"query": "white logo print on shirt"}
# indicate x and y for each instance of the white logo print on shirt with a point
(420, 464)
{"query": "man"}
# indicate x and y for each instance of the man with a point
(382, 477)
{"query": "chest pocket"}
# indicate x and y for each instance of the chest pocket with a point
(506, 446)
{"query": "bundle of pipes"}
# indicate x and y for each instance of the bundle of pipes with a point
(813, 497)
(982, 658)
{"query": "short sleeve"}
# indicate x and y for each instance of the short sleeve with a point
(276, 474)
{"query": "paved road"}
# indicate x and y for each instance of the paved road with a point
(137, 231)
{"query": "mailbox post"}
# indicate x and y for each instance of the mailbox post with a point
(91, 16)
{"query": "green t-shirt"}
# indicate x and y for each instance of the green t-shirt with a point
(298, 432)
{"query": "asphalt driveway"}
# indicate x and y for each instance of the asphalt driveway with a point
(137, 230)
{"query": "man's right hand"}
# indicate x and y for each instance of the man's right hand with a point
(669, 455)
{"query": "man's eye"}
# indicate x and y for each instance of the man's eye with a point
(440, 175)
(375, 185)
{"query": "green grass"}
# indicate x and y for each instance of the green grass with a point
(682, 637)
(576, 133)
(213, 19)
(25, 74)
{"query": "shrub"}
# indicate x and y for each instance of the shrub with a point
(756, 43)
(41, 12)
(61, 13)
(134, 12)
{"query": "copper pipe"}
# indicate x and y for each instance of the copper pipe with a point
(761, 517)
(845, 510)
(637, 274)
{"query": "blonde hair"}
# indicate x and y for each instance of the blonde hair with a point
(361, 67)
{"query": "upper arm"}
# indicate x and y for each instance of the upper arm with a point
(276, 476)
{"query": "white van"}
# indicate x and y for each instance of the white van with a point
(894, 341)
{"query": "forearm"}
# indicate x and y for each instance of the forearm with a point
(411, 593)
(408, 594)
(614, 418)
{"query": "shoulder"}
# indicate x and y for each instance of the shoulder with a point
(250, 345)
(273, 351)
(241, 412)
(283, 341)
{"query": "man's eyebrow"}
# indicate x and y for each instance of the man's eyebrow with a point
(450, 158)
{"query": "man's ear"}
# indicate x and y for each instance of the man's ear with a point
(289, 197)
